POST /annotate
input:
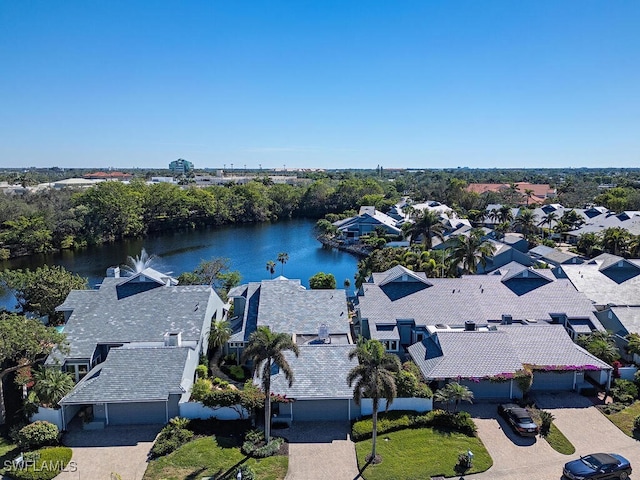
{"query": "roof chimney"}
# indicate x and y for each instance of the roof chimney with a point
(113, 272)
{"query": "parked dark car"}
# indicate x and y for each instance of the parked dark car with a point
(598, 466)
(519, 418)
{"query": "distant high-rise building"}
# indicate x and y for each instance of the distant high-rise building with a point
(181, 166)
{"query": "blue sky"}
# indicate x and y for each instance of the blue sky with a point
(332, 84)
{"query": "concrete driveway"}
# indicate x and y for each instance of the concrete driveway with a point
(320, 451)
(533, 459)
(118, 450)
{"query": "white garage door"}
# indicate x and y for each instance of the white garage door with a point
(142, 413)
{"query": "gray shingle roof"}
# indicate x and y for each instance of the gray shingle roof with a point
(99, 316)
(285, 306)
(479, 298)
(505, 350)
(320, 372)
(629, 317)
(602, 286)
(133, 375)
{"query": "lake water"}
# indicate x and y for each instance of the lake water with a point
(248, 248)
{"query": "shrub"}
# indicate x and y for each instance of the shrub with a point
(262, 451)
(201, 389)
(636, 423)
(254, 436)
(237, 372)
(42, 464)
(170, 438)
(247, 472)
(37, 434)
(611, 408)
(202, 371)
(546, 419)
(624, 391)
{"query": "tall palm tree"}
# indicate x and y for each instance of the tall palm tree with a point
(453, 392)
(283, 257)
(374, 378)
(505, 214)
(469, 251)
(264, 349)
(548, 219)
(494, 215)
(526, 222)
(271, 267)
(219, 334)
(51, 384)
(428, 224)
(528, 193)
(615, 240)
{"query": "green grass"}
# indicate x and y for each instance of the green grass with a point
(8, 451)
(211, 457)
(624, 419)
(420, 453)
(559, 442)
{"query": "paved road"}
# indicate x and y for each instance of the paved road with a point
(525, 459)
(320, 451)
(99, 453)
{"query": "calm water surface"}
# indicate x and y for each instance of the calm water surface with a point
(248, 248)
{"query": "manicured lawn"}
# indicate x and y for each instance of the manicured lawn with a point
(211, 457)
(8, 451)
(559, 442)
(624, 419)
(420, 453)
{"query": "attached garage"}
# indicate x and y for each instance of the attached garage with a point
(485, 389)
(552, 381)
(328, 410)
(139, 413)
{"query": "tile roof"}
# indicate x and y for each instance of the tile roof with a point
(629, 317)
(319, 372)
(504, 350)
(286, 306)
(99, 316)
(133, 375)
(607, 286)
(479, 298)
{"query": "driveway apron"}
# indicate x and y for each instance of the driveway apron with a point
(101, 454)
(320, 451)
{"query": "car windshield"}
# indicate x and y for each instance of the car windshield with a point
(592, 462)
(525, 420)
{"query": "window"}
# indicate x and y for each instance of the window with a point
(390, 345)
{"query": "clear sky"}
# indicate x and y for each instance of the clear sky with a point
(332, 84)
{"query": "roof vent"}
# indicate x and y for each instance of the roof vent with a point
(323, 332)
(113, 272)
(507, 319)
(172, 339)
(469, 326)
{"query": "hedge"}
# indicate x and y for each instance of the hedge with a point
(43, 464)
(401, 419)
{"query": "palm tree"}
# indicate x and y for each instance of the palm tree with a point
(615, 240)
(494, 215)
(633, 347)
(51, 384)
(426, 223)
(469, 251)
(219, 334)
(548, 219)
(526, 222)
(453, 392)
(264, 349)
(271, 267)
(528, 193)
(374, 378)
(283, 257)
(505, 214)
(587, 243)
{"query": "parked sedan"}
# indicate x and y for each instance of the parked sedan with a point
(519, 419)
(598, 466)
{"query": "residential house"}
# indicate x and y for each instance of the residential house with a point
(540, 192)
(368, 220)
(318, 321)
(134, 344)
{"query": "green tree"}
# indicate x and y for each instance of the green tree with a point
(426, 224)
(374, 377)
(51, 384)
(322, 281)
(470, 251)
(633, 345)
(587, 243)
(214, 272)
(615, 240)
(283, 257)
(548, 219)
(454, 392)
(41, 290)
(526, 222)
(219, 334)
(265, 349)
(271, 267)
(23, 342)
